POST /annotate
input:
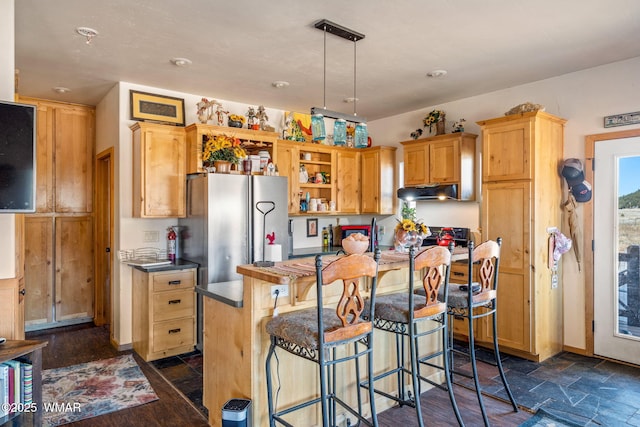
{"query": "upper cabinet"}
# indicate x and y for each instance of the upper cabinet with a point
(253, 141)
(442, 159)
(159, 166)
(357, 180)
(65, 137)
(378, 180)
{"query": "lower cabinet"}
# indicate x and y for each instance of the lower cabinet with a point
(164, 313)
(59, 270)
(12, 309)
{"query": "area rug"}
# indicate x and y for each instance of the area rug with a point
(90, 389)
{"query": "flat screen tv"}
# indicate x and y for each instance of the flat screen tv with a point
(17, 157)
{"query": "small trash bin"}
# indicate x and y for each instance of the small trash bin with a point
(237, 413)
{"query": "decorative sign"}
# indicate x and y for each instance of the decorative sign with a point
(622, 119)
(157, 108)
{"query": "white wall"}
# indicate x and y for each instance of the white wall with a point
(7, 68)
(583, 98)
(112, 129)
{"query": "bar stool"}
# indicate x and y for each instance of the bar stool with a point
(476, 301)
(316, 333)
(403, 313)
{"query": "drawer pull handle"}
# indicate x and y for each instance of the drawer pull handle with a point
(174, 282)
(457, 273)
(174, 331)
(175, 301)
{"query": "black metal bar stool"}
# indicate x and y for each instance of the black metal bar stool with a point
(478, 300)
(316, 333)
(406, 314)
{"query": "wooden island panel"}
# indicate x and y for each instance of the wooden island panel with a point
(236, 343)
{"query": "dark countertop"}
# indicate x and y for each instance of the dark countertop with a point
(179, 264)
(229, 293)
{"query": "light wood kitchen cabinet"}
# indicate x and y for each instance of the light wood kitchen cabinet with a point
(347, 181)
(159, 167)
(378, 180)
(58, 257)
(360, 180)
(442, 159)
(287, 157)
(12, 294)
(521, 197)
(164, 318)
(65, 143)
(59, 270)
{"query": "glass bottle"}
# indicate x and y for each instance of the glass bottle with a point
(325, 238)
(361, 135)
(317, 127)
(340, 132)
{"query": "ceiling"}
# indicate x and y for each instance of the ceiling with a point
(238, 48)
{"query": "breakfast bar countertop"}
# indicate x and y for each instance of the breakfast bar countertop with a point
(285, 272)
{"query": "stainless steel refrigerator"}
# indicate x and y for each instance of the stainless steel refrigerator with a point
(227, 224)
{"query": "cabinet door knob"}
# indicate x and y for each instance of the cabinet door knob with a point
(23, 291)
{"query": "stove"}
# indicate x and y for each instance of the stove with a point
(461, 236)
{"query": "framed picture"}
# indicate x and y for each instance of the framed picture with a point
(157, 108)
(622, 119)
(312, 227)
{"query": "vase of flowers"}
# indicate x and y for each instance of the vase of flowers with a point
(221, 151)
(409, 231)
(435, 118)
(235, 121)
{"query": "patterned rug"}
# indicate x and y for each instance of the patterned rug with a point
(90, 389)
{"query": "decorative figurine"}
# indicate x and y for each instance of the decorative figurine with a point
(458, 126)
(416, 134)
(262, 117)
(205, 107)
(220, 113)
(252, 119)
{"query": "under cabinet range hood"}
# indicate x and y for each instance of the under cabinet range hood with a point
(429, 192)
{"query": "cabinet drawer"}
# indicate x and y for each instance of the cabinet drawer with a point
(173, 280)
(459, 273)
(173, 333)
(173, 304)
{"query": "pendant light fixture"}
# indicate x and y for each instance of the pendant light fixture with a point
(318, 114)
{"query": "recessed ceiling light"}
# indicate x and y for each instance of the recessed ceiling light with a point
(60, 89)
(350, 100)
(180, 62)
(88, 33)
(437, 73)
(280, 84)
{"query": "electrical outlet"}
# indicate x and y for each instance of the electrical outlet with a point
(283, 290)
(151, 236)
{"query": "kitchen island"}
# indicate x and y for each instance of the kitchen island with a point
(236, 344)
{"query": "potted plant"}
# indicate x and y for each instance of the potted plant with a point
(236, 121)
(222, 151)
(435, 117)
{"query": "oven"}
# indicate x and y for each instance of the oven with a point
(460, 235)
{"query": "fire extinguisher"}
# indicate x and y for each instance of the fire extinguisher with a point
(171, 244)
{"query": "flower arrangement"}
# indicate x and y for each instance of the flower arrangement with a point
(410, 223)
(237, 118)
(433, 117)
(222, 147)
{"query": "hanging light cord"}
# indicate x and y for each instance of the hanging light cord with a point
(355, 100)
(324, 89)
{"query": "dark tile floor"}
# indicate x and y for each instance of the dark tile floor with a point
(185, 373)
(582, 390)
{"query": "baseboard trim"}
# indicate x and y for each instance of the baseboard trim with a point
(119, 347)
(575, 350)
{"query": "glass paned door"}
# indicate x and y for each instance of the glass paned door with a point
(616, 249)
